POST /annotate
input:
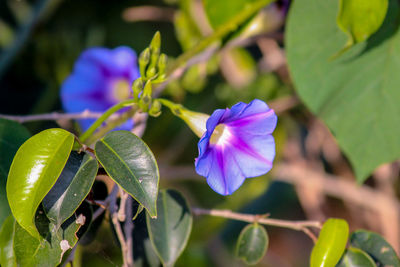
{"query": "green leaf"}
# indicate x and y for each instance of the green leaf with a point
(252, 243)
(359, 19)
(12, 136)
(356, 95)
(221, 11)
(34, 170)
(170, 232)
(71, 188)
(354, 257)
(7, 256)
(331, 243)
(47, 252)
(131, 164)
(376, 246)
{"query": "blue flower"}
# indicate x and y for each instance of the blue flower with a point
(237, 145)
(101, 78)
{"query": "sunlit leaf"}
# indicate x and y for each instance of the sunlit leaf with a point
(357, 94)
(219, 12)
(170, 232)
(331, 243)
(34, 170)
(360, 19)
(131, 164)
(71, 188)
(354, 257)
(376, 246)
(7, 256)
(252, 243)
(12, 136)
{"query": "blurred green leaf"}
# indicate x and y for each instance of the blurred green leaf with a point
(170, 232)
(331, 243)
(7, 256)
(360, 19)
(34, 170)
(376, 246)
(131, 164)
(354, 257)
(186, 30)
(12, 135)
(252, 243)
(71, 187)
(221, 11)
(361, 87)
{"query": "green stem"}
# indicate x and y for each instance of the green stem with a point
(219, 33)
(104, 117)
(111, 125)
(175, 108)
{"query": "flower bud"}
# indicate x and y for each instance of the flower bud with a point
(145, 98)
(162, 64)
(155, 44)
(155, 109)
(137, 87)
(144, 60)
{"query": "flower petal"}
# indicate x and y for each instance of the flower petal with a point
(224, 176)
(254, 155)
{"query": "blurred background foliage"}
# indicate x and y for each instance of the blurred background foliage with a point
(40, 40)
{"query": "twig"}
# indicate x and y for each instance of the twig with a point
(118, 229)
(106, 203)
(104, 117)
(121, 237)
(294, 225)
(87, 114)
(148, 13)
(128, 229)
(122, 205)
(111, 125)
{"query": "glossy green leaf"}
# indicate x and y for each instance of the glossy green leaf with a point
(131, 164)
(221, 11)
(359, 19)
(376, 246)
(34, 170)
(357, 94)
(331, 243)
(12, 136)
(170, 232)
(71, 188)
(7, 256)
(252, 243)
(354, 257)
(47, 252)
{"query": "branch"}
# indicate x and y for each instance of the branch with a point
(148, 13)
(87, 114)
(104, 117)
(219, 33)
(250, 218)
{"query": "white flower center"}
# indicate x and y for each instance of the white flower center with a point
(220, 135)
(121, 89)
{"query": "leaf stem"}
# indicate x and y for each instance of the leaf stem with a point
(219, 33)
(102, 118)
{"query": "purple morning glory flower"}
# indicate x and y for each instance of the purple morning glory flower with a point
(101, 78)
(237, 145)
